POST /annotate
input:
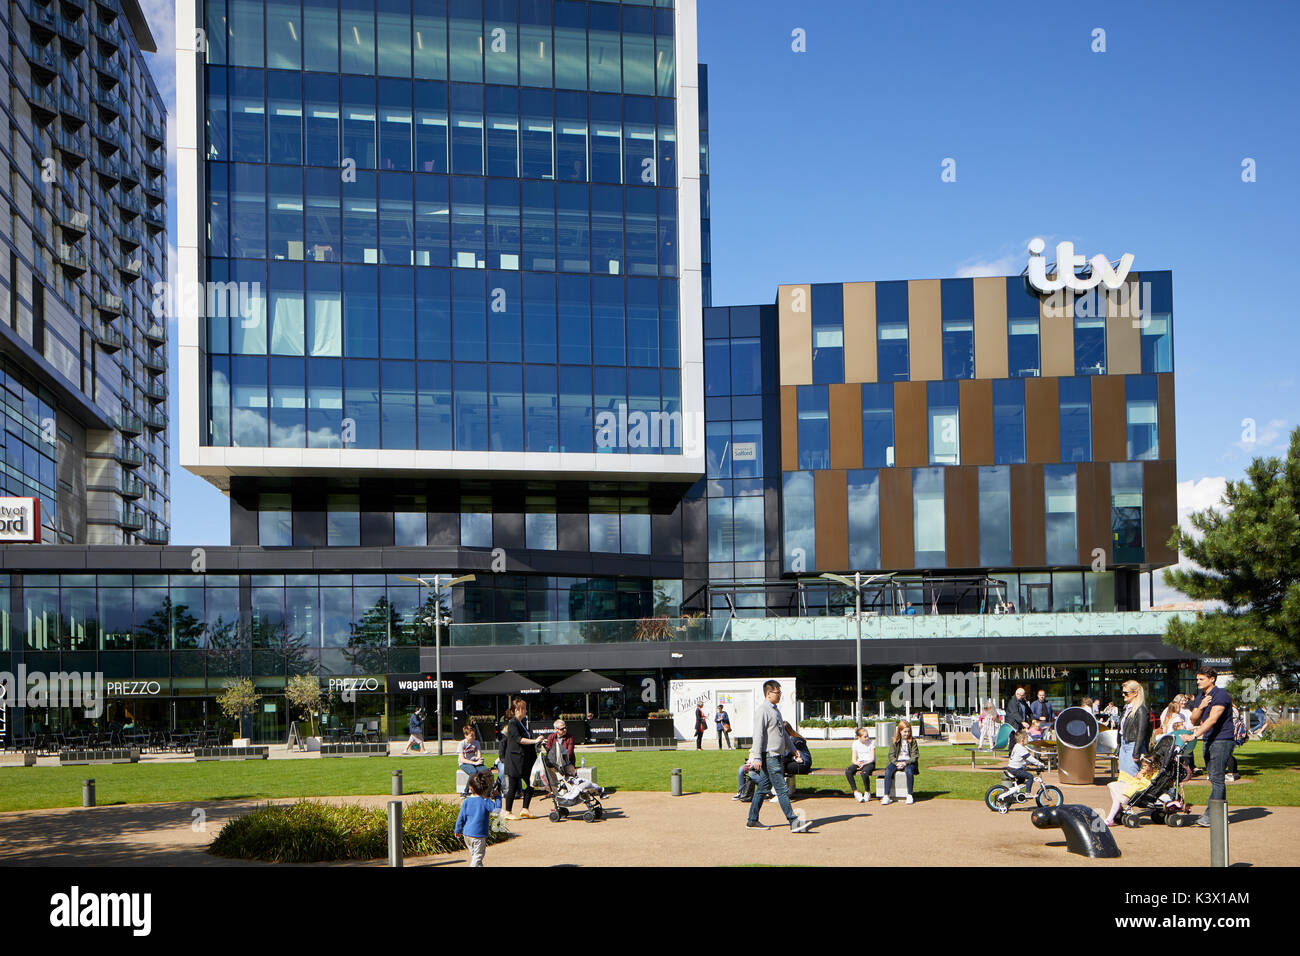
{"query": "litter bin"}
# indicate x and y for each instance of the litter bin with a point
(884, 737)
(1076, 746)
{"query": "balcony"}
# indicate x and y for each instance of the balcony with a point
(107, 66)
(45, 102)
(129, 423)
(113, 141)
(129, 236)
(155, 420)
(128, 204)
(131, 519)
(74, 34)
(110, 339)
(72, 107)
(44, 62)
(106, 33)
(155, 162)
(155, 361)
(43, 20)
(155, 391)
(156, 333)
(155, 221)
(155, 190)
(128, 455)
(73, 148)
(110, 304)
(109, 8)
(108, 102)
(129, 487)
(74, 260)
(154, 133)
(130, 175)
(107, 167)
(154, 535)
(74, 224)
(921, 627)
(130, 267)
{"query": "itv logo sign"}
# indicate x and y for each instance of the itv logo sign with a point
(20, 520)
(1067, 262)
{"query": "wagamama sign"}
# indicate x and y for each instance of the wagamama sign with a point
(1067, 261)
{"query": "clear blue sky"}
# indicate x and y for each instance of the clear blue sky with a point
(826, 167)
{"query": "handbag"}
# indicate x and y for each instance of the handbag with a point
(726, 727)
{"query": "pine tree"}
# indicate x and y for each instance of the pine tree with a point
(1249, 560)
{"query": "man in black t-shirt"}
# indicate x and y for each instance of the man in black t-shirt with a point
(1212, 718)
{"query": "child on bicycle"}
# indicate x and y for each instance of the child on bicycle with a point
(1022, 757)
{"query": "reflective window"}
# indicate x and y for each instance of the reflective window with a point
(1009, 421)
(1126, 512)
(1022, 347)
(995, 516)
(813, 410)
(798, 511)
(274, 520)
(343, 521)
(828, 333)
(1075, 396)
(1061, 508)
(475, 522)
(891, 332)
(1089, 337)
(1157, 339)
(864, 519)
(1141, 415)
(928, 518)
(958, 327)
(945, 435)
(878, 425)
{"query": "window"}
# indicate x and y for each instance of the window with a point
(1009, 421)
(958, 309)
(1067, 592)
(1141, 414)
(1061, 507)
(539, 523)
(343, 521)
(828, 333)
(891, 332)
(274, 521)
(945, 438)
(1126, 512)
(410, 529)
(878, 425)
(814, 427)
(603, 525)
(1089, 336)
(1157, 341)
(475, 522)
(800, 529)
(1076, 419)
(1022, 347)
(864, 519)
(928, 518)
(995, 516)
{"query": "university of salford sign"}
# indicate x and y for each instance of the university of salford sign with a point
(1066, 264)
(20, 520)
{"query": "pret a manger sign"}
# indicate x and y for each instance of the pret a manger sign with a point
(20, 520)
(1067, 261)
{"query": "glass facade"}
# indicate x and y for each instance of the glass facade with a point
(1061, 510)
(450, 226)
(1075, 400)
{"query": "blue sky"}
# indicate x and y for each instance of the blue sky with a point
(826, 167)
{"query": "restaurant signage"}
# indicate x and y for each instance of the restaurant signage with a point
(600, 730)
(633, 729)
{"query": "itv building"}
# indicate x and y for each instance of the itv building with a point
(445, 309)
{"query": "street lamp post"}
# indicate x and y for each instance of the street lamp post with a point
(857, 584)
(437, 586)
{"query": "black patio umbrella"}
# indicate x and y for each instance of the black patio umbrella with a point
(585, 682)
(507, 682)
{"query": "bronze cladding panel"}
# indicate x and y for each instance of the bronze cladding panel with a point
(1093, 503)
(1056, 334)
(961, 503)
(795, 333)
(1123, 337)
(896, 550)
(859, 331)
(789, 428)
(1042, 421)
(1109, 421)
(832, 521)
(911, 434)
(1159, 510)
(1028, 524)
(846, 426)
(924, 330)
(1165, 413)
(976, 410)
(990, 328)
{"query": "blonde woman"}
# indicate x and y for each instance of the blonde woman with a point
(1134, 727)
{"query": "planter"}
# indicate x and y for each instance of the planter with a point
(813, 733)
(313, 744)
(661, 727)
(842, 733)
(577, 730)
(241, 742)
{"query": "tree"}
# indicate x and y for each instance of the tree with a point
(238, 699)
(1249, 559)
(303, 693)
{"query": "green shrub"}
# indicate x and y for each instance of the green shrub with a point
(1283, 733)
(311, 832)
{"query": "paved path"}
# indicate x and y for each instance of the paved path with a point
(655, 829)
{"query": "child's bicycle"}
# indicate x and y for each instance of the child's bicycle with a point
(1002, 796)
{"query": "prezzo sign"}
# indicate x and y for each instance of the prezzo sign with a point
(20, 520)
(1067, 261)
(354, 685)
(132, 688)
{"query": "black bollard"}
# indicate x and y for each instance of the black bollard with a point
(1086, 832)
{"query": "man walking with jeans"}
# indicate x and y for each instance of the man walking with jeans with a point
(770, 745)
(1212, 718)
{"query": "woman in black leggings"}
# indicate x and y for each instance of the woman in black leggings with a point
(520, 752)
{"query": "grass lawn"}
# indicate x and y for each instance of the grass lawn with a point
(1271, 772)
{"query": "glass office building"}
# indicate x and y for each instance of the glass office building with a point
(83, 355)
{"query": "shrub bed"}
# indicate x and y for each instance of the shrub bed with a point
(1283, 733)
(309, 831)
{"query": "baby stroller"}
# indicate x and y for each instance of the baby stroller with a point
(569, 791)
(1162, 800)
